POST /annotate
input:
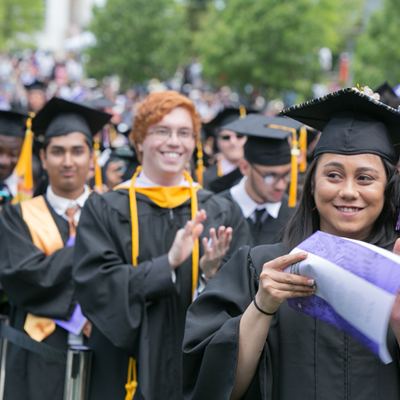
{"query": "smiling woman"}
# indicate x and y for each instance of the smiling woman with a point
(242, 340)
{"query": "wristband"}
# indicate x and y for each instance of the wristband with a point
(262, 311)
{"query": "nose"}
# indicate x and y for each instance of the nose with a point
(349, 189)
(173, 139)
(5, 161)
(67, 162)
(281, 184)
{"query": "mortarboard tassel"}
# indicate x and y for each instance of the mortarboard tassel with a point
(303, 148)
(98, 181)
(200, 163)
(398, 218)
(24, 166)
(242, 110)
(295, 152)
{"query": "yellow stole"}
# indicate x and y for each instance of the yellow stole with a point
(164, 197)
(46, 237)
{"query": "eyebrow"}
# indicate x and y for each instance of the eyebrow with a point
(359, 169)
(63, 148)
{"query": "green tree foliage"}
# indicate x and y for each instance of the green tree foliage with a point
(19, 17)
(138, 39)
(270, 43)
(377, 49)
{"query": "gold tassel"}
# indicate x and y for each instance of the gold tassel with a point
(303, 148)
(98, 180)
(200, 164)
(132, 380)
(295, 152)
(242, 111)
(24, 166)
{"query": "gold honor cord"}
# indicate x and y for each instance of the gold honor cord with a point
(131, 384)
(295, 152)
(200, 163)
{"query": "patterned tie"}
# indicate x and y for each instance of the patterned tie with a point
(72, 225)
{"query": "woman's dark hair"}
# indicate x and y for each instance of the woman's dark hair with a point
(305, 220)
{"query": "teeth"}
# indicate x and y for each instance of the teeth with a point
(171, 155)
(348, 209)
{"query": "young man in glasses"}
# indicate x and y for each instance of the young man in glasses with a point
(225, 173)
(266, 169)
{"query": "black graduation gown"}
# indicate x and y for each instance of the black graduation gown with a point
(217, 184)
(139, 311)
(303, 358)
(42, 286)
(272, 228)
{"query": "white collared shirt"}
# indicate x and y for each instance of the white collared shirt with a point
(12, 184)
(60, 204)
(226, 166)
(248, 205)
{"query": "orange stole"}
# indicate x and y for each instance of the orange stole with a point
(47, 238)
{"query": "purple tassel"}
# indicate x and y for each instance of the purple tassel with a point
(398, 223)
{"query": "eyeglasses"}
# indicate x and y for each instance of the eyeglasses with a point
(164, 133)
(273, 179)
(228, 137)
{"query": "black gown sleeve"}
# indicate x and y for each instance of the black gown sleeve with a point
(211, 342)
(40, 284)
(99, 270)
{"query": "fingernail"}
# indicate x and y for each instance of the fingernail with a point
(311, 282)
(304, 253)
(312, 287)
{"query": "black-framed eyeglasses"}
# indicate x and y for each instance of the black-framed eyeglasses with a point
(165, 133)
(273, 179)
(228, 137)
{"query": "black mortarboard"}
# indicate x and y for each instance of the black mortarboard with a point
(12, 123)
(224, 117)
(60, 117)
(351, 123)
(102, 103)
(35, 85)
(265, 145)
(388, 96)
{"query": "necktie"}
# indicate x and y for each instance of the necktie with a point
(72, 225)
(258, 222)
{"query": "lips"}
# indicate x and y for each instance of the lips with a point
(349, 211)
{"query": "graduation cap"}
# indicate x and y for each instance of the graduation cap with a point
(102, 103)
(224, 117)
(12, 123)
(352, 122)
(35, 85)
(267, 143)
(388, 96)
(60, 117)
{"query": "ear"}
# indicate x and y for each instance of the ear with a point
(42, 155)
(139, 146)
(244, 167)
